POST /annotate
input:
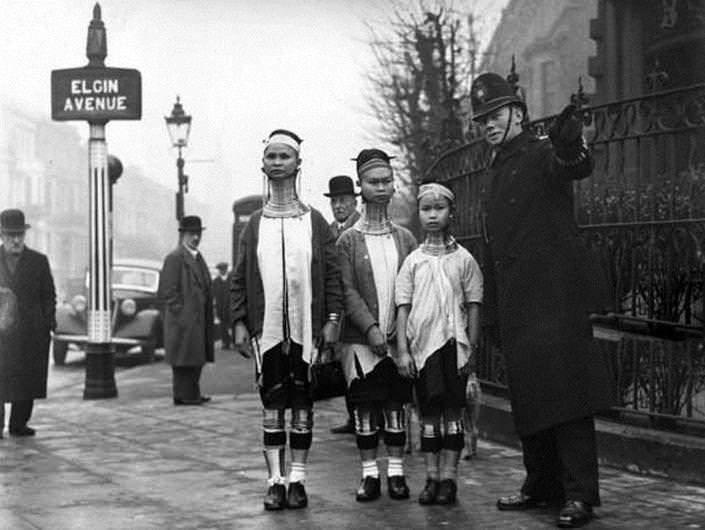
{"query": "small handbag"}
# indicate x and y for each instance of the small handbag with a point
(327, 380)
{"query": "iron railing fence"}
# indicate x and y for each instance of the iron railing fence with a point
(642, 214)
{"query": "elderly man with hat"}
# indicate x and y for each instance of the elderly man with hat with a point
(538, 282)
(343, 203)
(185, 286)
(221, 297)
(27, 287)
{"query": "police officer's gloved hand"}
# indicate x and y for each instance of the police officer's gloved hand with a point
(566, 133)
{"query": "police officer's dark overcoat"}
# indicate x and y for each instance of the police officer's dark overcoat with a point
(543, 287)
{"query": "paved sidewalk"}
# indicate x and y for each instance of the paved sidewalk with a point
(142, 463)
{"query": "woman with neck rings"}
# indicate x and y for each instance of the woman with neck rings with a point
(286, 300)
(370, 254)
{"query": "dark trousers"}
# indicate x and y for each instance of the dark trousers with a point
(186, 382)
(224, 330)
(20, 412)
(561, 463)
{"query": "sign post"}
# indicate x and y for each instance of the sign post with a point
(97, 94)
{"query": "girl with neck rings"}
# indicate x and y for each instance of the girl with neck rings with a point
(438, 296)
(370, 254)
(286, 301)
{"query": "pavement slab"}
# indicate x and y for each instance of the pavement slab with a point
(142, 463)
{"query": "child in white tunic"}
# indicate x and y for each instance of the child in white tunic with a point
(438, 295)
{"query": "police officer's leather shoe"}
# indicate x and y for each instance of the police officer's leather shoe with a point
(22, 431)
(275, 498)
(369, 489)
(574, 514)
(296, 496)
(520, 502)
(397, 487)
(188, 401)
(430, 492)
(447, 492)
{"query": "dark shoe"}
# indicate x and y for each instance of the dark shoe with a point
(430, 492)
(369, 490)
(447, 492)
(397, 487)
(574, 514)
(188, 401)
(296, 497)
(23, 431)
(205, 399)
(275, 498)
(346, 428)
(520, 502)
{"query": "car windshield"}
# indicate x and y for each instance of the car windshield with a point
(134, 278)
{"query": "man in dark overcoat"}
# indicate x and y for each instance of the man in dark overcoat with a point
(221, 297)
(543, 296)
(185, 286)
(343, 204)
(24, 346)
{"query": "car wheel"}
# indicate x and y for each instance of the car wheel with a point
(59, 350)
(148, 352)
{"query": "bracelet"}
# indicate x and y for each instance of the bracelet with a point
(334, 317)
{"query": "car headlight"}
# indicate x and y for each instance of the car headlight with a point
(128, 307)
(78, 303)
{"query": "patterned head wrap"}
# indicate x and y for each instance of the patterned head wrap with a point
(437, 190)
(371, 158)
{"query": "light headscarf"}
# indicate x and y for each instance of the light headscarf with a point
(437, 190)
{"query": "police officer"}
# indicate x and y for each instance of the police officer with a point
(542, 289)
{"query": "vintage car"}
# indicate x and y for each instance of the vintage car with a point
(136, 313)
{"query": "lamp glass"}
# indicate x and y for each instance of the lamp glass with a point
(179, 131)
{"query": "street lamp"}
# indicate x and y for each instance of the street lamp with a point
(179, 127)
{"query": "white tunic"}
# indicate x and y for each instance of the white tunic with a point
(297, 233)
(384, 261)
(438, 289)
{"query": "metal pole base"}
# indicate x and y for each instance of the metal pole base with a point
(100, 372)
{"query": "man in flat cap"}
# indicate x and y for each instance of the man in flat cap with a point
(343, 203)
(185, 286)
(221, 297)
(536, 274)
(28, 287)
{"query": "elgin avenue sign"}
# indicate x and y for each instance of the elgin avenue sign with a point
(96, 94)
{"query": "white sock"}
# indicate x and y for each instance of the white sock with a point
(297, 472)
(273, 458)
(395, 466)
(370, 469)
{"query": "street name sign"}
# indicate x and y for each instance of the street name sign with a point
(96, 94)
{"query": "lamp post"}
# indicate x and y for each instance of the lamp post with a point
(179, 127)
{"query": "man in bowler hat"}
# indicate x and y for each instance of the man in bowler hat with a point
(538, 282)
(185, 286)
(221, 296)
(27, 285)
(343, 203)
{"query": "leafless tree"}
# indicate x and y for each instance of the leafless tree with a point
(425, 56)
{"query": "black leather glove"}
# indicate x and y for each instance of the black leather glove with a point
(566, 132)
